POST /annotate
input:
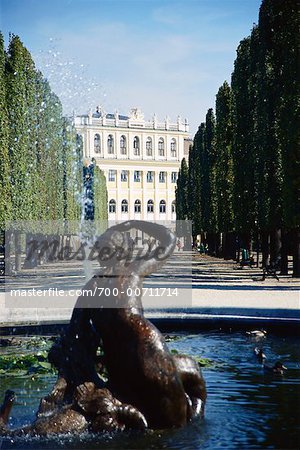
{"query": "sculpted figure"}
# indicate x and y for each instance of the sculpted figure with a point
(147, 386)
(62, 420)
(105, 412)
(91, 409)
(141, 371)
(193, 382)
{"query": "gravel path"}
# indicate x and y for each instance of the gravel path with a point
(205, 286)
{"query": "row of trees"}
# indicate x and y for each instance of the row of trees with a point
(242, 180)
(40, 153)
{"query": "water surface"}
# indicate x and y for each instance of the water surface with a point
(246, 408)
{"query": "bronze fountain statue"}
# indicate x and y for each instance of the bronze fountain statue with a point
(147, 386)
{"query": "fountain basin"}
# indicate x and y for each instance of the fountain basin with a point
(246, 408)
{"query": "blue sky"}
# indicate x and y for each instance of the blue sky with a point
(167, 57)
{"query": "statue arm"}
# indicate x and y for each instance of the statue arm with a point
(156, 258)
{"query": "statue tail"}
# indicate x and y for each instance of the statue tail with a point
(131, 417)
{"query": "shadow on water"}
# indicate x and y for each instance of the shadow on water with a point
(246, 408)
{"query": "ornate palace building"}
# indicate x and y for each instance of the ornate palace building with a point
(140, 160)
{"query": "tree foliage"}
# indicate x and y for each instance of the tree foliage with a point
(5, 194)
(40, 154)
(209, 208)
(100, 199)
(194, 181)
(224, 161)
(244, 167)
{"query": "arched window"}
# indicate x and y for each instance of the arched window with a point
(149, 146)
(124, 206)
(162, 206)
(123, 148)
(137, 206)
(112, 206)
(150, 206)
(97, 145)
(110, 144)
(173, 207)
(173, 148)
(161, 147)
(136, 146)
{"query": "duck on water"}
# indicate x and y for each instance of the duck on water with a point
(261, 357)
(278, 368)
(257, 333)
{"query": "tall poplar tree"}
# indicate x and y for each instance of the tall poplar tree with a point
(182, 209)
(100, 200)
(194, 182)
(224, 170)
(279, 24)
(242, 146)
(41, 158)
(71, 172)
(208, 198)
(5, 187)
(17, 97)
(249, 166)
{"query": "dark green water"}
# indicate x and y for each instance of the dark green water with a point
(246, 408)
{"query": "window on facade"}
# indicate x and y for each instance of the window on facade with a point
(162, 206)
(150, 176)
(124, 175)
(124, 206)
(112, 206)
(149, 146)
(110, 144)
(97, 146)
(112, 175)
(137, 206)
(173, 207)
(137, 176)
(162, 177)
(173, 177)
(161, 147)
(150, 206)
(136, 146)
(123, 148)
(173, 148)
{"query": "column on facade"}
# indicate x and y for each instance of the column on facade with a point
(142, 146)
(156, 195)
(169, 195)
(104, 144)
(143, 195)
(168, 146)
(90, 147)
(130, 193)
(130, 146)
(180, 147)
(117, 135)
(127, 135)
(155, 146)
(166, 143)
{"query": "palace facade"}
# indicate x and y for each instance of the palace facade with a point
(139, 158)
